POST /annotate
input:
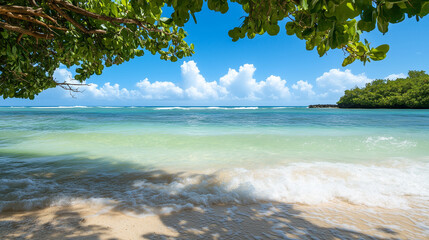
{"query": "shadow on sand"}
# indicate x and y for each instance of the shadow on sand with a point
(65, 224)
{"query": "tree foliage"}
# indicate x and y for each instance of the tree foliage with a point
(410, 92)
(36, 36)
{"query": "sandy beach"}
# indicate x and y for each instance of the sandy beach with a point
(254, 221)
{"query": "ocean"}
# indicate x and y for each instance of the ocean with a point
(157, 160)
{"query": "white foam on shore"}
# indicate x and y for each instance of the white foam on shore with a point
(388, 186)
(305, 183)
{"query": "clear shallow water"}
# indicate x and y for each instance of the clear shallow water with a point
(161, 159)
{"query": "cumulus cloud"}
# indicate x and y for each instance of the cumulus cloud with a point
(235, 87)
(158, 90)
(304, 86)
(196, 86)
(337, 81)
(107, 91)
(63, 75)
(241, 84)
(395, 76)
(274, 87)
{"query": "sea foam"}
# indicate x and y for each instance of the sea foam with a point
(388, 186)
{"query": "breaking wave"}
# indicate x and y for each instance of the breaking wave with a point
(397, 185)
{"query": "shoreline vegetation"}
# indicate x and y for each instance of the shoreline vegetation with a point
(411, 92)
(403, 93)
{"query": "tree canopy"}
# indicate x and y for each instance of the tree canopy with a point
(36, 36)
(410, 92)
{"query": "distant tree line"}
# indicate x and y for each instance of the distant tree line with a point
(410, 92)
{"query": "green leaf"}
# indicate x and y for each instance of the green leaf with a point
(304, 4)
(383, 48)
(382, 25)
(379, 53)
(425, 9)
(193, 16)
(273, 29)
(290, 28)
(345, 11)
(348, 60)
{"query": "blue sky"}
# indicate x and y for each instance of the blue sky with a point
(266, 70)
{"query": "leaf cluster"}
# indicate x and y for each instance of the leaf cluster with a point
(35, 39)
(329, 24)
(410, 92)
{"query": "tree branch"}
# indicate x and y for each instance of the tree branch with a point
(71, 84)
(33, 20)
(37, 35)
(76, 24)
(33, 2)
(70, 87)
(26, 10)
(84, 12)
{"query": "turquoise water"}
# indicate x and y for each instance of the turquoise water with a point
(154, 158)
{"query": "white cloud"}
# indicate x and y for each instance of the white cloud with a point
(274, 87)
(395, 76)
(235, 87)
(62, 75)
(337, 81)
(304, 86)
(106, 91)
(158, 90)
(241, 85)
(196, 86)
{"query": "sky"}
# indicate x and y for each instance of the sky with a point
(264, 71)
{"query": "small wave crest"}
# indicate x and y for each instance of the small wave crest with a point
(206, 108)
(63, 107)
(388, 142)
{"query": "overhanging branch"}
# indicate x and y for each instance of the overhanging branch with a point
(25, 31)
(76, 24)
(71, 87)
(33, 20)
(84, 12)
(26, 10)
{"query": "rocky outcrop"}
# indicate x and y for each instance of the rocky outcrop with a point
(323, 106)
